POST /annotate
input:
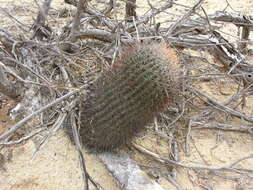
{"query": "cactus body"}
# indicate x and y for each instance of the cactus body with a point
(127, 97)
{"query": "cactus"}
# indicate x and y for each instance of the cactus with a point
(127, 97)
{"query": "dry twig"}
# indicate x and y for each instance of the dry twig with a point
(31, 116)
(39, 25)
(178, 164)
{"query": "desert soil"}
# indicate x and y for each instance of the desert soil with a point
(56, 165)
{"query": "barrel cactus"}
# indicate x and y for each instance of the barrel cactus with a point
(127, 96)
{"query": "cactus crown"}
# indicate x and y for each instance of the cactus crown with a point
(127, 97)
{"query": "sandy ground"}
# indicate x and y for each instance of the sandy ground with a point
(56, 165)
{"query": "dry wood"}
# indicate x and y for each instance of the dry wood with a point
(82, 4)
(219, 106)
(222, 126)
(121, 165)
(178, 164)
(15, 127)
(244, 38)
(237, 19)
(172, 28)
(7, 88)
(130, 10)
(244, 21)
(98, 34)
(41, 30)
(79, 150)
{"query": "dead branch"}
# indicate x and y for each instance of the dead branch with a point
(7, 88)
(236, 19)
(25, 138)
(178, 164)
(173, 182)
(82, 4)
(244, 38)
(130, 10)
(72, 2)
(229, 56)
(185, 16)
(21, 25)
(222, 126)
(28, 69)
(150, 14)
(97, 34)
(109, 8)
(244, 21)
(188, 138)
(56, 126)
(43, 13)
(102, 17)
(219, 106)
(79, 150)
(29, 117)
(221, 49)
(214, 43)
(39, 27)
(24, 81)
(98, 14)
(7, 40)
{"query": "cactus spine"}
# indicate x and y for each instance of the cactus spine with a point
(127, 97)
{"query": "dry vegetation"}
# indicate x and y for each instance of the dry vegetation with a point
(47, 63)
